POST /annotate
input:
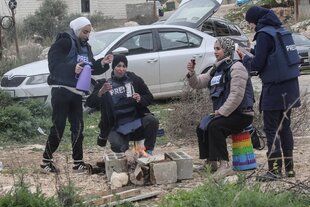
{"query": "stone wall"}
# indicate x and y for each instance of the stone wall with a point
(135, 10)
(304, 10)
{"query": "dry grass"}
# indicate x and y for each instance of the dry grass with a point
(194, 104)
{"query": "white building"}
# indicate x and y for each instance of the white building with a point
(110, 8)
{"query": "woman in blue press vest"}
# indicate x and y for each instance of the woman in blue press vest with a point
(125, 117)
(278, 69)
(232, 96)
(66, 59)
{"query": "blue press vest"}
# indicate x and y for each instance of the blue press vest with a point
(219, 86)
(123, 107)
(283, 63)
(75, 56)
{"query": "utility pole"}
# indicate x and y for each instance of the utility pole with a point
(296, 8)
(6, 22)
(1, 47)
(154, 9)
(12, 6)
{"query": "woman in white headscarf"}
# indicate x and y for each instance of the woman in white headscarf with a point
(232, 96)
(66, 59)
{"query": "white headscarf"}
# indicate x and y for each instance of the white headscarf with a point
(78, 23)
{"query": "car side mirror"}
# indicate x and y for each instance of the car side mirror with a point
(120, 50)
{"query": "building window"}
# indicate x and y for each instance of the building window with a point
(85, 6)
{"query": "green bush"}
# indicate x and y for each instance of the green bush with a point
(48, 20)
(240, 195)
(5, 99)
(17, 123)
(68, 196)
(37, 108)
(21, 196)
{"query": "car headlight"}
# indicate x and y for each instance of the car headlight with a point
(37, 79)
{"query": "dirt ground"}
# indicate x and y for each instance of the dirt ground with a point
(26, 159)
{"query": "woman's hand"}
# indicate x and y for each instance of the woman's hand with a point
(191, 67)
(107, 59)
(78, 68)
(137, 97)
(105, 88)
(241, 54)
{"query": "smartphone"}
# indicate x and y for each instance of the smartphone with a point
(193, 61)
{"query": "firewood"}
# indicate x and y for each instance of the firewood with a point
(136, 198)
(112, 197)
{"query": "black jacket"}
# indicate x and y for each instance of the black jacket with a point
(62, 72)
(108, 121)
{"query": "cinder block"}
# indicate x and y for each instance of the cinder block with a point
(163, 172)
(115, 162)
(184, 164)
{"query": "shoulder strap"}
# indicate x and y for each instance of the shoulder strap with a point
(226, 71)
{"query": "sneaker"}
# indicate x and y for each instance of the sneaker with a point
(223, 172)
(149, 152)
(290, 173)
(49, 167)
(80, 167)
(269, 176)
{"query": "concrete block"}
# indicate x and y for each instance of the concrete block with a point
(184, 164)
(163, 172)
(115, 162)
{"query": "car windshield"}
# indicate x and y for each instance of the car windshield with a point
(301, 40)
(99, 41)
(192, 12)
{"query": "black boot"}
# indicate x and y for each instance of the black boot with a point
(274, 168)
(289, 164)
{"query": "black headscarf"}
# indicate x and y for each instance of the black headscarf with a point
(117, 59)
(255, 13)
(262, 17)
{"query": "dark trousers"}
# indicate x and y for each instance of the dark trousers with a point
(148, 131)
(272, 121)
(212, 142)
(66, 104)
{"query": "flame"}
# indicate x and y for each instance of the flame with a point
(139, 150)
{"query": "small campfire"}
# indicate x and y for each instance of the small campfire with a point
(139, 149)
(138, 167)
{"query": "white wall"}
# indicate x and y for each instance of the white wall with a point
(111, 8)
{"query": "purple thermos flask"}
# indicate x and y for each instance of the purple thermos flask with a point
(84, 80)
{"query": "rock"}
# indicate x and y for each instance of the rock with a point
(118, 180)
(231, 179)
(130, 23)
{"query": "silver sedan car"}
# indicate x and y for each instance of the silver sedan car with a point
(157, 53)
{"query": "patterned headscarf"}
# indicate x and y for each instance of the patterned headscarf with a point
(228, 46)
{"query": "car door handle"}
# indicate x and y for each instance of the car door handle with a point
(197, 56)
(152, 60)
